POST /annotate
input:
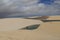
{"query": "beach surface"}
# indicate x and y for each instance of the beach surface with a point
(9, 29)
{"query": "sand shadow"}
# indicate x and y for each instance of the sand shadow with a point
(50, 20)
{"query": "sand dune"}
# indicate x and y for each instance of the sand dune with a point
(54, 18)
(46, 30)
(10, 24)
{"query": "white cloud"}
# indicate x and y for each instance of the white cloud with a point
(31, 7)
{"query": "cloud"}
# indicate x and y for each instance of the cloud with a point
(14, 8)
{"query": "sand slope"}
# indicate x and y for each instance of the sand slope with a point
(9, 24)
(46, 31)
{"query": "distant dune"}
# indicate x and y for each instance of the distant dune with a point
(46, 30)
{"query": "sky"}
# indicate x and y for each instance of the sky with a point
(47, 2)
(25, 8)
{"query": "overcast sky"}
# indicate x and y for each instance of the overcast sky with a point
(18, 8)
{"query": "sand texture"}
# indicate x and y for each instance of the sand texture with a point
(9, 29)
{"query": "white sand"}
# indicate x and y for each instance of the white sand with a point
(46, 31)
(11, 24)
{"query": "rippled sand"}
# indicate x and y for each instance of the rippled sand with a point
(46, 30)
